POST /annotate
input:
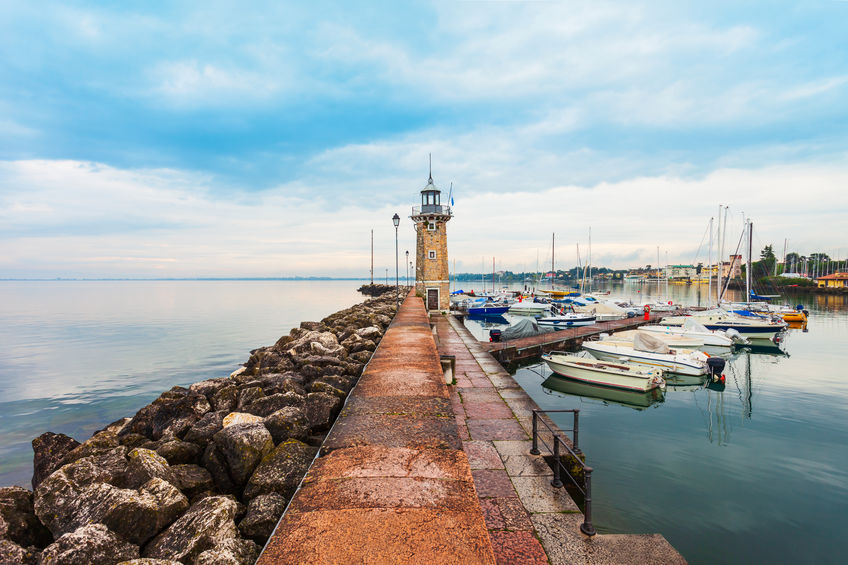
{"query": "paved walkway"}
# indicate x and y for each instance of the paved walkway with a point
(528, 520)
(393, 484)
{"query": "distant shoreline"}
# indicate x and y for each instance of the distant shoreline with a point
(63, 279)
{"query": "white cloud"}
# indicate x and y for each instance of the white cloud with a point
(64, 218)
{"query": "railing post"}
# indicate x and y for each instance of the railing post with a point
(557, 482)
(535, 449)
(586, 527)
(577, 432)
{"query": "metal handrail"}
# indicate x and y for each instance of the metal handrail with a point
(586, 527)
(435, 209)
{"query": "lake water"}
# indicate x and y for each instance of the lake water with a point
(756, 473)
(76, 355)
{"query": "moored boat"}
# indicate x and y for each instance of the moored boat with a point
(617, 375)
(646, 349)
(567, 320)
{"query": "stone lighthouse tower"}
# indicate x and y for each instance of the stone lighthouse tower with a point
(431, 264)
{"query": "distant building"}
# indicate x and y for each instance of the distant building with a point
(836, 280)
(735, 271)
(680, 271)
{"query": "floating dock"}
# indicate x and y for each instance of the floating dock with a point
(517, 350)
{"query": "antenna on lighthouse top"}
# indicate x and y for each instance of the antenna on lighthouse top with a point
(431, 167)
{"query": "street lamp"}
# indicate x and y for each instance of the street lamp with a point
(396, 222)
(407, 267)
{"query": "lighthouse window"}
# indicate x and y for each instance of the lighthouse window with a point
(431, 226)
(431, 254)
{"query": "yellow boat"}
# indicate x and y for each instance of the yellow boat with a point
(795, 316)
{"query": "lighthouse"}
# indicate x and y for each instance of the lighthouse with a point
(431, 265)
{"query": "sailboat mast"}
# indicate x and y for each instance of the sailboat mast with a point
(748, 266)
(553, 247)
(493, 275)
(590, 258)
(709, 265)
(579, 267)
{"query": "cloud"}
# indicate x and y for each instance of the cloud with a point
(168, 223)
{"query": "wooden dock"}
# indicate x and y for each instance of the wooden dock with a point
(517, 350)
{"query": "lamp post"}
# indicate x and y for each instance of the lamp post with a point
(407, 267)
(396, 222)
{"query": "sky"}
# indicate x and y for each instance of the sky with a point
(224, 139)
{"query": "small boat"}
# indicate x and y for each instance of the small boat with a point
(646, 349)
(617, 375)
(672, 340)
(529, 308)
(692, 329)
(748, 326)
(567, 320)
(636, 399)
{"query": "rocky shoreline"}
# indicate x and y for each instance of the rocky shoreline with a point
(201, 475)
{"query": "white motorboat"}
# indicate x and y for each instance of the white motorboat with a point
(718, 319)
(646, 349)
(567, 320)
(693, 330)
(671, 340)
(529, 308)
(618, 375)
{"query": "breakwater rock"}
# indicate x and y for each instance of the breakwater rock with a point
(202, 474)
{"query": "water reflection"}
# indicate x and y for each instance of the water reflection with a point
(632, 399)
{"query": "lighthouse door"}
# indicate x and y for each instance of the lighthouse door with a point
(432, 299)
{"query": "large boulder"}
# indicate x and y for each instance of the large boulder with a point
(321, 386)
(145, 464)
(288, 423)
(370, 332)
(281, 470)
(135, 514)
(205, 525)
(58, 498)
(209, 387)
(240, 447)
(267, 405)
(173, 413)
(13, 554)
(179, 452)
(235, 418)
(207, 426)
(321, 410)
(230, 552)
(274, 383)
(249, 395)
(226, 398)
(18, 522)
(263, 513)
(93, 544)
(315, 343)
(49, 450)
(192, 480)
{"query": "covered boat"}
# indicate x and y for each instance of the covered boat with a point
(617, 375)
(647, 349)
(693, 330)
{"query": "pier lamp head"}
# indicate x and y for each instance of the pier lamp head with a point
(396, 220)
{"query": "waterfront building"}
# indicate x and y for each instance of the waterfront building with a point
(836, 280)
(431, 249)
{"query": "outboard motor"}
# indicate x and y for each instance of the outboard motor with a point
(716, 366)
(494, 336)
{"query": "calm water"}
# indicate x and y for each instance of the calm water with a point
(756, 473)
(75, 355)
